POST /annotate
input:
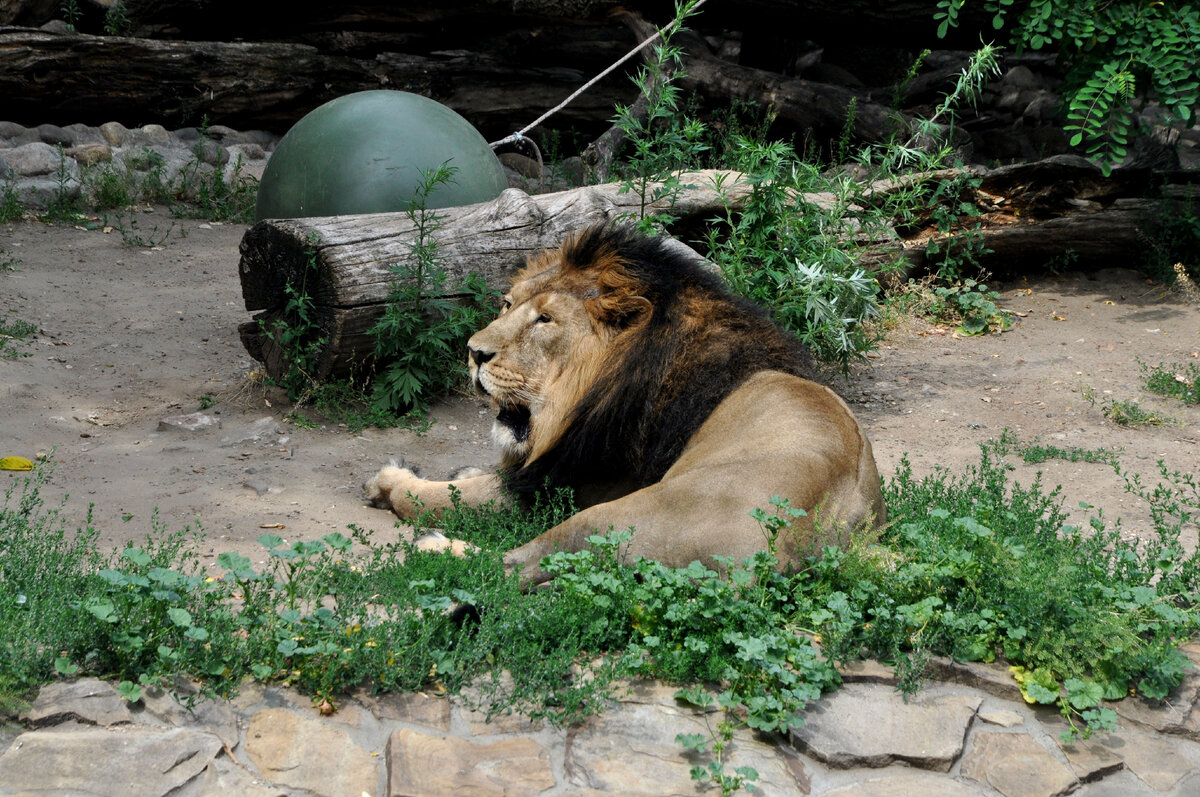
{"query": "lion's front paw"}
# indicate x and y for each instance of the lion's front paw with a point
(392, 483)
(436, 542)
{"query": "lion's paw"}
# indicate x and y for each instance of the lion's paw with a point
(391, 480)
(436, 542)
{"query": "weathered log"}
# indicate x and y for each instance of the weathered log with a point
(94, 79)
(348, 263)
(1034, 214)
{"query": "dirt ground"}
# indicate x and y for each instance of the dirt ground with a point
(128, 337)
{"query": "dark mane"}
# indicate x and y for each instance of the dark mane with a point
(663, 378)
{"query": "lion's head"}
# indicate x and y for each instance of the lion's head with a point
(609, 353)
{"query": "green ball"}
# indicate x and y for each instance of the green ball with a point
(366, 152)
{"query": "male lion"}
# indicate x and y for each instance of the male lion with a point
(632, 375)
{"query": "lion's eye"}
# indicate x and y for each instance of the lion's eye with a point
(544, 318)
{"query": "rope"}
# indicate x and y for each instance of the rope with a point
(520, 134)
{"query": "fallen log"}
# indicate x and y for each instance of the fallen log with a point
(1033, 214)
(67, 78)
(349, 264)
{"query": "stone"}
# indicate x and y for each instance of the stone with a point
(1091, 759)
(1016, 766)
(867, 671)
(33, 160)
(222, 777)
(1165, 716)
(991, 678)
(868, 725)
(86, 700)
(192, 422)
(53, 134)
(1019, 78)
(417, 708)
(207, 714)
(11, 130)
(95, 761)
(153, 134)
(1155, 760)
(114, 133)
(422, 764)
(924, 785)
(306, 753)
(601, 753)
(89, 154)
(1002, 717)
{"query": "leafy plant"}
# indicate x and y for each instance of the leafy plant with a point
(297, 334)
(64, 201)
(421, 337)
(1115, 53)
(972, 305)
(10, 203)
(13, 336)
(661, 139)
(1129, 413)
(1174, 380)
(116, 19)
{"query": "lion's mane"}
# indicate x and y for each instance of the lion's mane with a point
(663, 378)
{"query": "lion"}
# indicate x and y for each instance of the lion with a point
(625, 371)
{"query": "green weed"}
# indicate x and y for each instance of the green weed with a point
(421, 336)
(10, 203)
(1129, 413)
(972, 306)
(1175, 381)
(14, 335)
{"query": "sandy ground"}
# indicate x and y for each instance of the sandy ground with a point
(128, 337)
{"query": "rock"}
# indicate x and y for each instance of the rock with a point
(600, 752)
(1019, 78)
(212, 716)
(12, 130)
(222, 777)
(210, 152)
(33, 160)
(152, 134)
(1155, 760)
(309, 754)
(1016, 766)
(867, 725)
(417, 708)
(53, 135)
(95, 761)
(420, 764)
(192, 422)
(87, 700)
(1002, 717)
(90, 154)
(115, 133)
(924, 785)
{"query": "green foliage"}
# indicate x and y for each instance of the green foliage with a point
(421, 336)
(14, 334)
(297, 333)
(1115, 53)
(792, 258)
(1129, 413)
(973, 306)
(64, 204)
(663, 141)
(971, 566)
(10, 203)
(116, 19)
(1174, 380)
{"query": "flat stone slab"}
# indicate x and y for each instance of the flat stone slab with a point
(1015, 765)
(429, 765)
(869, 725)
(916, 785)
(87, 700)
(631, 750)
(309, 754)
(88, 761)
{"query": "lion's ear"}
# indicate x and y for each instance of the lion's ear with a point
(622, 311)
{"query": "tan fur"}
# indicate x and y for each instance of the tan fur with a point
(775, 434)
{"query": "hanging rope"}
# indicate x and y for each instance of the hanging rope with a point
(520, 134)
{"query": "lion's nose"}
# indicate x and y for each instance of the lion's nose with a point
(479, 356)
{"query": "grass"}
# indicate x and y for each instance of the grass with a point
(972, 566)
